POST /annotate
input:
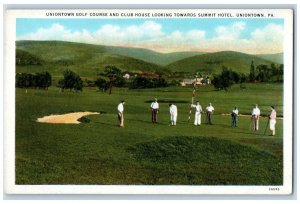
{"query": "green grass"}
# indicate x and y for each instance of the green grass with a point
(206, 160)
(99, 152)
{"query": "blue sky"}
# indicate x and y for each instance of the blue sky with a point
(165, 35)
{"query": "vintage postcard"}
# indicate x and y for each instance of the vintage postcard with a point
(148, 101)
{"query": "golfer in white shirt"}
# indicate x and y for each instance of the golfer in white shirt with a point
(173, 113)
(154, 110)
(198, 110)
(120, 113)
(209, 111)
(255, 117)
(272, 118)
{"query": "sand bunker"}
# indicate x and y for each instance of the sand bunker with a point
(69, 118)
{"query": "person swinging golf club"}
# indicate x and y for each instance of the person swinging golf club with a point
(120, 113)
(198, 110)
(255, 117)
(154, 110)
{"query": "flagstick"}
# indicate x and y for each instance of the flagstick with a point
(193, 96)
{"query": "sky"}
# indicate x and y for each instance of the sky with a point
(252, 36)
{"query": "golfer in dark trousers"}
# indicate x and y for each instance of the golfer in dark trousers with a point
(234, 115)
(209, 111)
(154, 110)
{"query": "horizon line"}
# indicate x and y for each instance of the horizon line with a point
(133, 47)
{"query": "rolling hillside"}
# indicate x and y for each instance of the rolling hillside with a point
(149, 55)
(79, 50)
(85, 59)
(88, 60)
(276, 58)
(213, 62)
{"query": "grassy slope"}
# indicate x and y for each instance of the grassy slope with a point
(213, 62)
(88, 59)
(69, 50)
(142, 153)
(277, 58)
(91, 59)
(151, 56)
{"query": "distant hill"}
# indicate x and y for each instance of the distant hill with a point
(213, 62)
(85, 59)
(276, 58)
(88, 60)
(137, 53)
(149, 55)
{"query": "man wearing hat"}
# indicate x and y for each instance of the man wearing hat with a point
(120, 113)
(272, 118)
(154, 110)
(255, 117)
(209, 111)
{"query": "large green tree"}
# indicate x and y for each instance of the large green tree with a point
(226, 79)
(252, 72)
(71, 81)
(38, 80)
(101, 84)
(114, 76)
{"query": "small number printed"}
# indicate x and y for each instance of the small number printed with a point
(274, 189)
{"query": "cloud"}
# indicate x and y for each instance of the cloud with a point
(232, 32)
(268, 39)
(115, 34)
(150, 35)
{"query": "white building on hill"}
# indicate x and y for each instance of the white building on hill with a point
(199, 81)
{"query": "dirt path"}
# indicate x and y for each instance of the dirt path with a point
(69, 118)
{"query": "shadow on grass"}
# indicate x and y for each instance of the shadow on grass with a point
(254, 133)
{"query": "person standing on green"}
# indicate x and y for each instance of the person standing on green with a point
(121, 113)
(272, 118)
(209, 111)
(255, 117)
(154, 110)
(234, 115)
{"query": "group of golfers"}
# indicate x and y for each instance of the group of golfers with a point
(154, 106)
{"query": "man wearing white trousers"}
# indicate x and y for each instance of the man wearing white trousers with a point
(173, 113)
(272, 120)
(198, 110)
(255, 117)
(120, 113)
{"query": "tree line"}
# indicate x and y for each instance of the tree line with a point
(38, 80)
(265, 73)
(113, 77)
(262, 73)
(109, 78)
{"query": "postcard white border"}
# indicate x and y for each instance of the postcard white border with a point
(9, 118)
